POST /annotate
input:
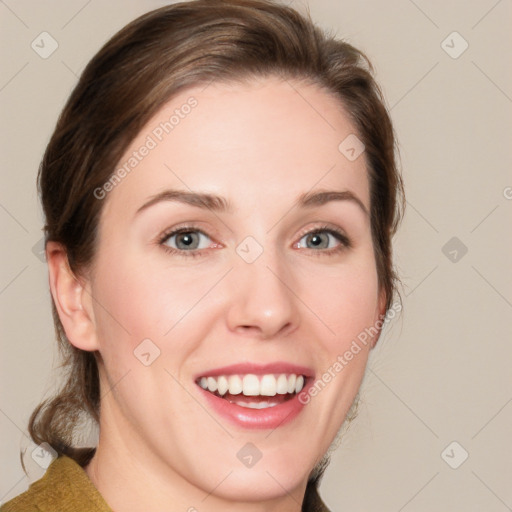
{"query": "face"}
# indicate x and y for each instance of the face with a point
(235, 254)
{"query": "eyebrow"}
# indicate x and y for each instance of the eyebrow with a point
(312, 199)
(201, 200)
(219, 204)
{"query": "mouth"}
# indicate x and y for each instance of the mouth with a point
(256, 396)
(254, 391)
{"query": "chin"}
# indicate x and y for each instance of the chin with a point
(253, 485)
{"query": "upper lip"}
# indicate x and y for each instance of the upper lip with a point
(257, 369)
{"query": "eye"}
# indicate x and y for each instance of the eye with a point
(327, 239)
(185, 240)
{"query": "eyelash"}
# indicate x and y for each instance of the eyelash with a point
(185, 229)
(345, 242)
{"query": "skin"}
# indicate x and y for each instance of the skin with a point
(260, 145)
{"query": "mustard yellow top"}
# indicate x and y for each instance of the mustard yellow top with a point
(65, 487)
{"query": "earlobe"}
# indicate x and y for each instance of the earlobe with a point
(72, 299)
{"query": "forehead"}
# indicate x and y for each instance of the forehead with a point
(263, 140)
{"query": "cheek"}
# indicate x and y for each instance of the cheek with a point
(133, 303)
(345, 299)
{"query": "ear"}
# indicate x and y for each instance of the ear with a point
(380, 312)
(72, 299)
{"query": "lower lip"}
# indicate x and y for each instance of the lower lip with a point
(268, 418)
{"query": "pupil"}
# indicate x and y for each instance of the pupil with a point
(317, 240)
(186, 239)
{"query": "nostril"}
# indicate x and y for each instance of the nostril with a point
(249, 328)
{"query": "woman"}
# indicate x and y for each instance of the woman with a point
(220, 195)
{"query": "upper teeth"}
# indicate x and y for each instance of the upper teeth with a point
(254, 385)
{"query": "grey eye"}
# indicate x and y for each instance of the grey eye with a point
(187, 240)
(319, 240)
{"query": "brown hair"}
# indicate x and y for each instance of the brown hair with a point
(126, 83)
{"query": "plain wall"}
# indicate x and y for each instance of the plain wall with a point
(439, 374)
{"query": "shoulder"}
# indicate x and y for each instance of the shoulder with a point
(65, 487)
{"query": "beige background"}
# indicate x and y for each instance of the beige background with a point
(442, 372)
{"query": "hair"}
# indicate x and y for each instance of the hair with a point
(132, 76)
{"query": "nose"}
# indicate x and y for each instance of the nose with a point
(262, 301)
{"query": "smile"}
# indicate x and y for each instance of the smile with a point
(254, 391)
(255, 396)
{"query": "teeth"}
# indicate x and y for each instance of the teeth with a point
(291, 383)
(281, 385)
(255, 405)
(212, 384)
(267, 386)
(235, 385)
(251, 385)
(254, 385)
(222, 385)
(299, 384)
